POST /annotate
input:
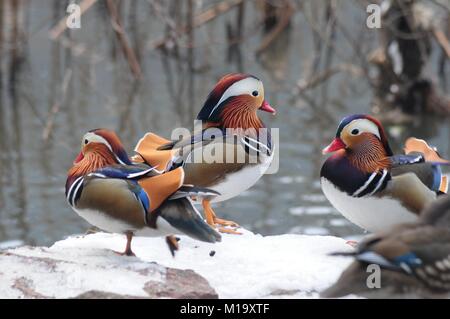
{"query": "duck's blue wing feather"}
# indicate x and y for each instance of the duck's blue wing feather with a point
(406, 159)
(123, 171)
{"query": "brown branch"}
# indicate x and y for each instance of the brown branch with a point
(200, 19)
(303, 85)
(288, 12)
(120, 34)
(442, 40)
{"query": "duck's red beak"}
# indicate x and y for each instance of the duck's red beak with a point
(334, 146)
(267, 108)
(79, 158)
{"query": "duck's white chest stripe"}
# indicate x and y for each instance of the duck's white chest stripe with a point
(380, 182)
(73, 190)
(372, 185)
(366, 184)
(248, 140)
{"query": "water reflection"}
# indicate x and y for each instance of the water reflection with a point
(51, 92)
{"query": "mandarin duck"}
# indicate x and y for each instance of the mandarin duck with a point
(232, 130)
(372, 187)
(111, 193)
(414, 259)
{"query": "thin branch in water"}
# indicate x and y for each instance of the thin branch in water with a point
(442, 40)
(314, 81)
(120, 34)
(56, 107)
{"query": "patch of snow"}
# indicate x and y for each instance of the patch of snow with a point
(339, 222)
(319, 231)
(316, 198)
(101, 270)
(10, 244)
(243, 266)
(291, 179)
(312, 210)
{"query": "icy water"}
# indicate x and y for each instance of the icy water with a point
(83, 82)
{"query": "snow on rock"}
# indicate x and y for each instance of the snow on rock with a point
(241, 266)
(38, 272)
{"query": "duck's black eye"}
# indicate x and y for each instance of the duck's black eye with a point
(355, 131)
(255, 93)
(86, 141)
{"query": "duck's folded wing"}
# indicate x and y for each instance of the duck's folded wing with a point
(422, 160)
(423, 253)
(410, 191)
(118, 198)
(429, 174)
(412, 257)
(158, 187)
(209, 165)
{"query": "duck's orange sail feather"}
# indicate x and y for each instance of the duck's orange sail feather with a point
(159, 188)
(147, 149)
(413, 144)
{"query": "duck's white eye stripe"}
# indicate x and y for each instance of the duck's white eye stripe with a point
(363, 125)
(92, 137)
(244, 86)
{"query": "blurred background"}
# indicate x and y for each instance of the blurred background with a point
(147, 65)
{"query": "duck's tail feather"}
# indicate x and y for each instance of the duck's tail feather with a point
(440, 182)
(443, 187)
(191, 190)
(182, 215)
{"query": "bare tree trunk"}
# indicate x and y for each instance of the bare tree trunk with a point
(401, 60)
